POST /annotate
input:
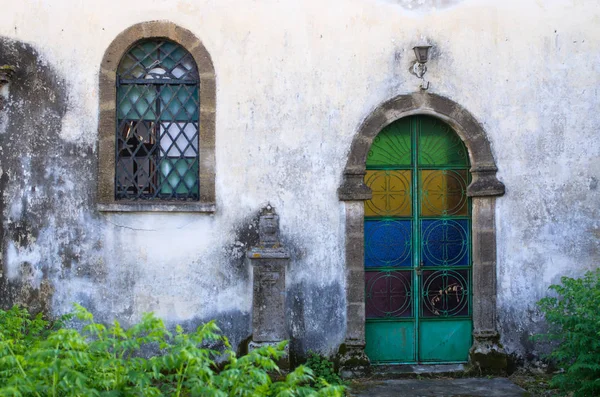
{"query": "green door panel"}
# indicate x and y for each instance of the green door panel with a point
(390, 341)
(392, 146)
(444, 341)
(439, 145)
(417, 245)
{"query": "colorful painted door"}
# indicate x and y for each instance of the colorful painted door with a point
(418, 245)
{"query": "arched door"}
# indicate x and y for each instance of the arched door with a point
(418, 245)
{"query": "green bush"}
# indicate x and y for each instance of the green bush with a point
(574, 318)
(323, 369)
(41, 359)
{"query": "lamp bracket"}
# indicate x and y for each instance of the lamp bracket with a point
(419, 69)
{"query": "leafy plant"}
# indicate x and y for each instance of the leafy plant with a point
(38, 359)
(574, 318)
(323, 369)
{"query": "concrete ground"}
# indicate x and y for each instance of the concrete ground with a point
(464, 387)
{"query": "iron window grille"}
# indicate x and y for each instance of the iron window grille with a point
(157, 134)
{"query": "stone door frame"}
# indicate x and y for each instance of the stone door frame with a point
(483, 190)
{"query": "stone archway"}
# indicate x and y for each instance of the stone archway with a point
(483, 189)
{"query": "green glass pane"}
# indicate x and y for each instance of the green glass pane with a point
(392, 146)
(390, 341)
(443, 192)
(391, 193)
(136, 102)
(145, 53)
(157, 59)
(439, 145)
(448, 340)
(170, 54)
(179, 176)
(129, 65)
(179, 102)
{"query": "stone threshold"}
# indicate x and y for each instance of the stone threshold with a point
(408, 370)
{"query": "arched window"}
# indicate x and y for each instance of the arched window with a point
(157, 123)
(156, 146)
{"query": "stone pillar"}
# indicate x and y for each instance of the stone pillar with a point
(487, 354)
(353, 362)
(269, 260)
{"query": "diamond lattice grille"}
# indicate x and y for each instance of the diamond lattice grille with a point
(157, 129)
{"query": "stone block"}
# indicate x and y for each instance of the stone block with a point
(268, 303)
(352, 360)
(487, 355)
(207, 93)
(373, 124)
(360, 150)
(441, 104)
(483, 213)
(354, 254)
(353, 188)
(355, 213)
(487, 246)
(485, 184)
(355, 326)
(355, 286)
(207, 128)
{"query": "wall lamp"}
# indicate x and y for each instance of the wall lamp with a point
(419, 68)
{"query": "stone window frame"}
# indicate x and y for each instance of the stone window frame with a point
(107, 120)
(483, 190)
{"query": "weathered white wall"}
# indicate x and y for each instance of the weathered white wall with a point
(294, 81)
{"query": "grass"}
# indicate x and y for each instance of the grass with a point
(537, 385)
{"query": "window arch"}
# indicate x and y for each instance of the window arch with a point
(157, 122)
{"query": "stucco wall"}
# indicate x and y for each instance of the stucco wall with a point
(294, 81)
